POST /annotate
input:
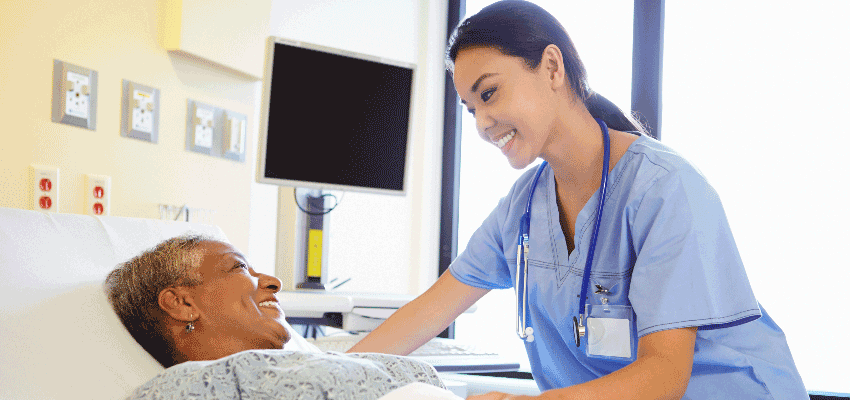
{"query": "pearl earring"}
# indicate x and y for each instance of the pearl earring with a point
(190, 326)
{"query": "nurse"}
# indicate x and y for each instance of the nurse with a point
(668, 311)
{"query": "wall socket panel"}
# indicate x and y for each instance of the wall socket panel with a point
(201, 127)
(45, 188)
(98, 192)
(74, 95)
(234, 138)
(215, 131)
(139, 112)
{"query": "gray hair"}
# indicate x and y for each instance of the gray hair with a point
(133, 290)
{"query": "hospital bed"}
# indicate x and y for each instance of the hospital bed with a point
(59, 338)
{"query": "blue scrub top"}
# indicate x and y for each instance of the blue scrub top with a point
(664, 248)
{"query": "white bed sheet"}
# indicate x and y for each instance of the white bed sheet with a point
(420, 391)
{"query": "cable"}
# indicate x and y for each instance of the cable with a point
(326, 210)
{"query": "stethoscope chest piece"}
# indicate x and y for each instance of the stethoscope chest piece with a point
(579, 330)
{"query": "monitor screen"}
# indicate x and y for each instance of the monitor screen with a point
(334, 120)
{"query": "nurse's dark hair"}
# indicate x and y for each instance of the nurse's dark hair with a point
(133, 291)
(522, 29)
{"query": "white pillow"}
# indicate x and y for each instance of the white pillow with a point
(298, 343)
(59, 338)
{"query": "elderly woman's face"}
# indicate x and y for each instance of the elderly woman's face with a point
(238, 308)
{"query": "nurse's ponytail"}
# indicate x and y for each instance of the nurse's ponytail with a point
(522, 29)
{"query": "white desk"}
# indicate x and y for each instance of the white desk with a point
(314, 303)
(346, 310)
(350, 311)
(364, 312)
(476, 384)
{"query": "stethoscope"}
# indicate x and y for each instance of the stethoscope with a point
(523, 330)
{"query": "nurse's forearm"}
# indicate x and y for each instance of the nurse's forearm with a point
(421, 319)
(648, 378)
(402, 332)
(662, 371)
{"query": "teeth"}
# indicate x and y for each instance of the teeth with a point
(268, 304)
(507, 138)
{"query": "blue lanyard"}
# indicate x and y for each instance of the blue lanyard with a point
(525, 227)
(603, 187)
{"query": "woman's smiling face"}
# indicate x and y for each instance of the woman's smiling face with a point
(236, 304)
(512, 104)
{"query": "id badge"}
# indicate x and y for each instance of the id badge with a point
(610, 332)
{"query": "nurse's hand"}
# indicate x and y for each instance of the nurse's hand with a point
(499, 396)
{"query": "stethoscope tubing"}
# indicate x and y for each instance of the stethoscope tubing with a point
(522, 257)
(523, 331)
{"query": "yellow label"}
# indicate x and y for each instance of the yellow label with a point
(314, 253)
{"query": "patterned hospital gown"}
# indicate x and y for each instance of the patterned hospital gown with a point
(288, 375)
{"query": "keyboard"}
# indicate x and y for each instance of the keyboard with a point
(446, 355)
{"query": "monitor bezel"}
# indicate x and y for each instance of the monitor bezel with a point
(264, 119)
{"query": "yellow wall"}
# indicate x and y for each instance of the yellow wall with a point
(119, 39)
(123, 39)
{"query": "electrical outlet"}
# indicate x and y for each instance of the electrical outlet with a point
(98, 190)
(140, 117)
(74, 95)
(45, 188)
(203, 128)
(234, 135)
(77, 95)
(204, 124)
(233, 143)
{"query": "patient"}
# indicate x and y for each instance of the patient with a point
(197, 306)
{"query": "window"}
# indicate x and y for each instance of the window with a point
(602, 34)
(755, 95)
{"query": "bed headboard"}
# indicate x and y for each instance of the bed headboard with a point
(59, 338)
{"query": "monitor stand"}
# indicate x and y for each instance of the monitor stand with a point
(315, 248)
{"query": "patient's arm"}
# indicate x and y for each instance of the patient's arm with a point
(421, 319)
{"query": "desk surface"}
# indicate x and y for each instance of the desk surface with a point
(483, 384)
(471, 364)
(314, 303)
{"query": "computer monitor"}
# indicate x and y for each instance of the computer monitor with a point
(334, 119)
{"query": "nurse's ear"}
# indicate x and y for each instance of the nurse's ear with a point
(552, 63)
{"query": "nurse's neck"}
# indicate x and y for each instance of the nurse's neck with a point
(575, 151)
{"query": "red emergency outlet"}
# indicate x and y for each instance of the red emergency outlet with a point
(98, 192)
(45, 184)
(45, 202)
(98, 209)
